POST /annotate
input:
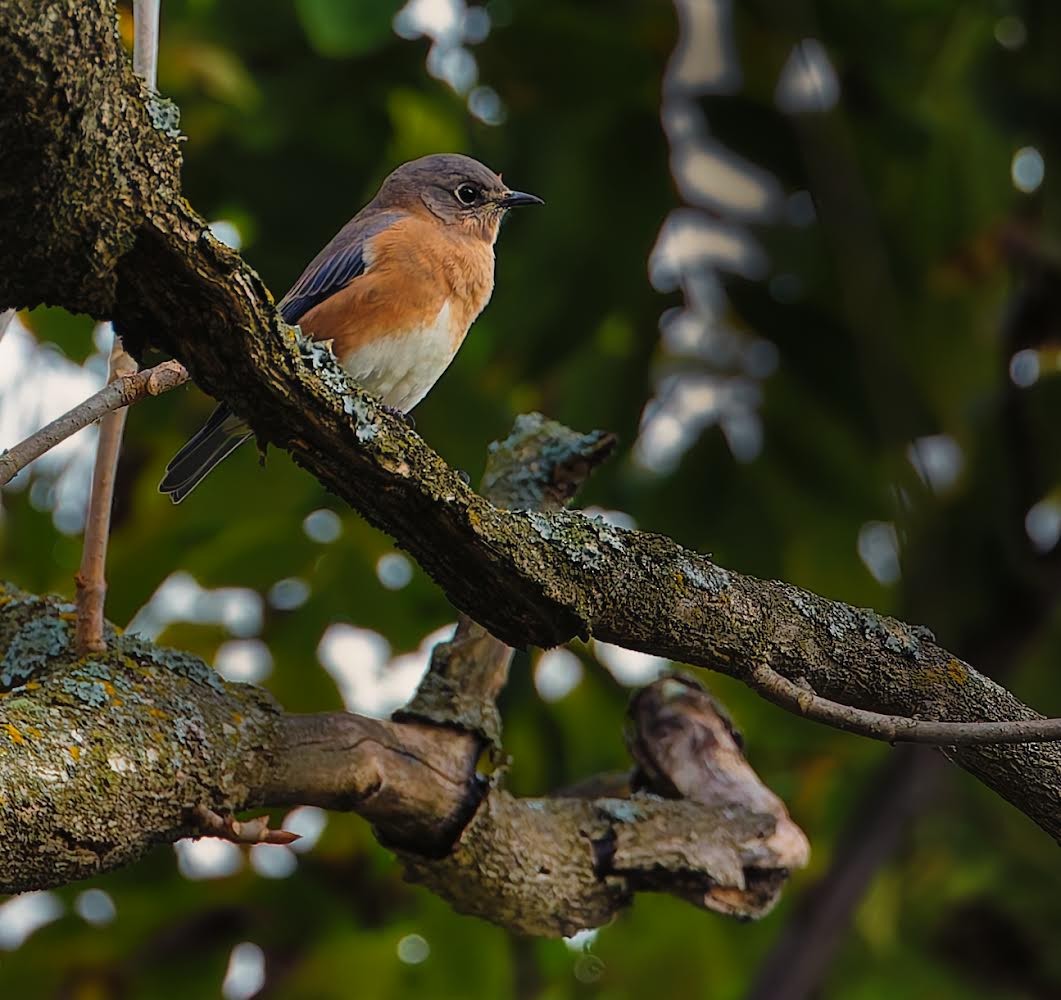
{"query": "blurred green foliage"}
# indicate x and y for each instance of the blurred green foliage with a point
(294, 112)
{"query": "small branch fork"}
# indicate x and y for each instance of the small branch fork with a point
(123, 391)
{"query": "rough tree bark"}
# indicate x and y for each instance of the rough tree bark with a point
(93, 220)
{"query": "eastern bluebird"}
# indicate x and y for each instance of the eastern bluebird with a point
(395, 291)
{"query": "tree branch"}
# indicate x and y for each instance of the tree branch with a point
(176, 752)
(528, 577)
(895, 728)
(123, 391)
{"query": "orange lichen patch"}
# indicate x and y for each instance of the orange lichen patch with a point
(237, 718)
(956, 671)
(13, 733)
(157, 713)
(34, 732)
(109, 688)
(75, 752)
(32, 685)
(67, 616)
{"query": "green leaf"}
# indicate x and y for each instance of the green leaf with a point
(346, 27)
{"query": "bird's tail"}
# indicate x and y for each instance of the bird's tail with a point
(221, 435)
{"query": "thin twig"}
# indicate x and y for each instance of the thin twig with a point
(121, 392)
(145, 41)
(90, 580)
(896, 728)
(249, 831)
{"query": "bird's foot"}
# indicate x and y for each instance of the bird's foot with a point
(401, 415)
(464, 477)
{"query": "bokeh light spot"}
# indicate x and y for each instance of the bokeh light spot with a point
(413, 949)
(557, 673)
(21, 915)
(1043, 525)
(1028, 169)
(323, 526)
(1011, 32)
(394, 571)
(1024, 368)
(289, 594)
(878, 548)
(95, 907)
(247, 661)
(245, 975)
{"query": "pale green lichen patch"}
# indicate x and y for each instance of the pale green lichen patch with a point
(367, 429)
(164, 115)
(893, 635)
(802, 602)
(583, 540)
(706, 576)
(37, 642)
(86, 690)
(609, 534)
(178, 662)
(320, 357)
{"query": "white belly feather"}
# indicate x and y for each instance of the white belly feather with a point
(402, 368)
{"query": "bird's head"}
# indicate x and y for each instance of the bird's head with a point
(456, 189)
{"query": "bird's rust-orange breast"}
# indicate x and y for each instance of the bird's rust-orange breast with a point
(413, 269)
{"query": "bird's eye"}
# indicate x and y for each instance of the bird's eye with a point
(467, 194)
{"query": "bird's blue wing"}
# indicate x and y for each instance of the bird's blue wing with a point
(335, 266)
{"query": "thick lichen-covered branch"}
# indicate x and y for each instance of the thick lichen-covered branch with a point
(94, 162)
(104, 756)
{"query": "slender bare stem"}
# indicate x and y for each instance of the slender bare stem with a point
(90, 580)
(145, 40)
(897, 728)
(113, 396)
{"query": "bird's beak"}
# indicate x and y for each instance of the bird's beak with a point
(513, 199)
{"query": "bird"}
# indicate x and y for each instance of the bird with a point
(394, 292)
